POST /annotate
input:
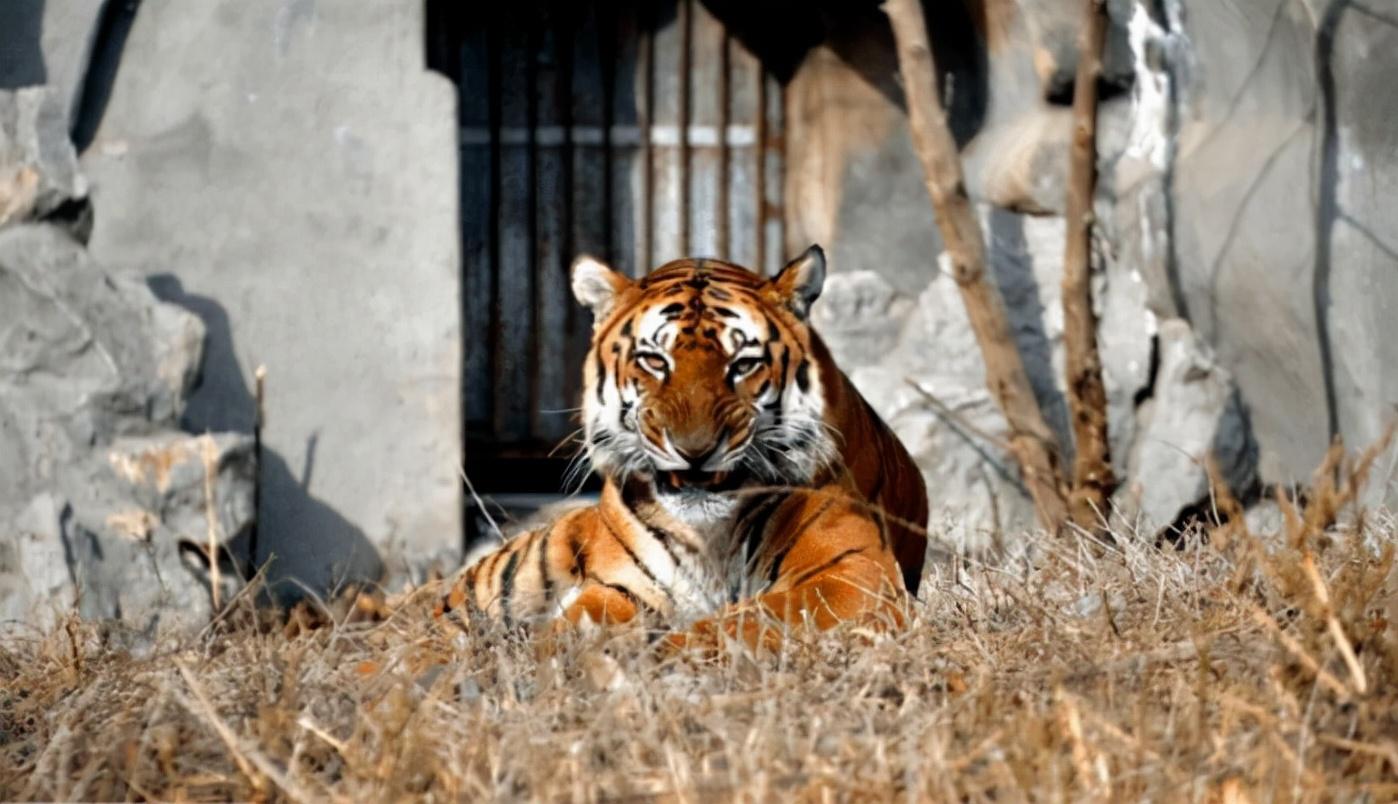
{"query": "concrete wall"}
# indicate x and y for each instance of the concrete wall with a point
(286, 169)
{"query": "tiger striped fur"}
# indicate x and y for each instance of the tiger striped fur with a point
(743, 473)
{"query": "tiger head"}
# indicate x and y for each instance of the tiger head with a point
(702, 378)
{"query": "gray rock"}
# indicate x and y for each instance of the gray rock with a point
(1019, 162)
(860, 317)
(1054, 27)
(187, 487)
(920, 366)
(122, 536)
(143, 516)
(103, 504)
(38, 168)
(1194, 416)
(36, 583)
(1285, 250)
(1265, 518)
(928, 382)
(91, 351)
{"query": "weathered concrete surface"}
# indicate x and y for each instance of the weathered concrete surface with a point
(286, 170)
(103, 505)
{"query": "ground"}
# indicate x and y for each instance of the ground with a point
(1226, 666)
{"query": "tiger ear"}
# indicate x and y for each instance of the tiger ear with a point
(596, 285)
(799, 283)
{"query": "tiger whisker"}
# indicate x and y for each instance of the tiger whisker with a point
(568, 439)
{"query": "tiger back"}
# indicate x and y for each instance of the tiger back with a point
(745, 480)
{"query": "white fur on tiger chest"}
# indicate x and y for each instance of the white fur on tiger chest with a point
(695, 566)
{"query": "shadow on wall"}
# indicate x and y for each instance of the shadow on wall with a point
(1014, 274)
(328, 549)
(21, 56)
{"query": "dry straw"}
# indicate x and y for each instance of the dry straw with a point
(1230, 665)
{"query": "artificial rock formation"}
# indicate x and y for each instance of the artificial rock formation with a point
(38, 170)
(1194, 418)
(891, 316)
(106, 508)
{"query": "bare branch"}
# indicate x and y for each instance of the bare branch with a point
(1031, 441)
(1092, 480)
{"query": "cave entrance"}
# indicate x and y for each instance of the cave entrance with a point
(635, 131)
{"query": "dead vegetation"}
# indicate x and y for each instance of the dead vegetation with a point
(1233, 665)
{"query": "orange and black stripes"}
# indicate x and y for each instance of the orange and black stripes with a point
(742, 471)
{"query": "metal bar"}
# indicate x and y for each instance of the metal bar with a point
(704, 181)
(552, 60)
(478, 253)
(743, 203)
(589, 193)
(668, 203)
(773, 158)
(628, 162)
(515, 390)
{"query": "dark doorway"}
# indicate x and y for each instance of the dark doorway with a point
(635, 131)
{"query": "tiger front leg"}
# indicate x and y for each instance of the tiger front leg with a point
(601, 604)
(572, 570)
(525, 580)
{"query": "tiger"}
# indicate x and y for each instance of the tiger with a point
(748, 487)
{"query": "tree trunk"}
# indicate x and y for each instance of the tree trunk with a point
(1031, 441)
(1087, 398)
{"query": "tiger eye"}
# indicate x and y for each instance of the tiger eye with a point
(744, 366)
(652, 362)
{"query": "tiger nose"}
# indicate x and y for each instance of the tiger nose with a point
(697, 451)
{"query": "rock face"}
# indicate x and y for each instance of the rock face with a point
(1286, 133)
(122, 536)
(896, 320)
(1194, 416)
(105, 505)
(38, 170)
(285, 170)
(1242, 152)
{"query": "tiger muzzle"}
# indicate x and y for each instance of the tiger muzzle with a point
(698, 480)
(699, 453)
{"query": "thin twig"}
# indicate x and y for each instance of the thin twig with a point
(256, 767)
(209, 453)
(481, 504)
(1337, 632)
(1325, 677)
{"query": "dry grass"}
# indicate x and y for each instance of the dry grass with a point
(1242, 666)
